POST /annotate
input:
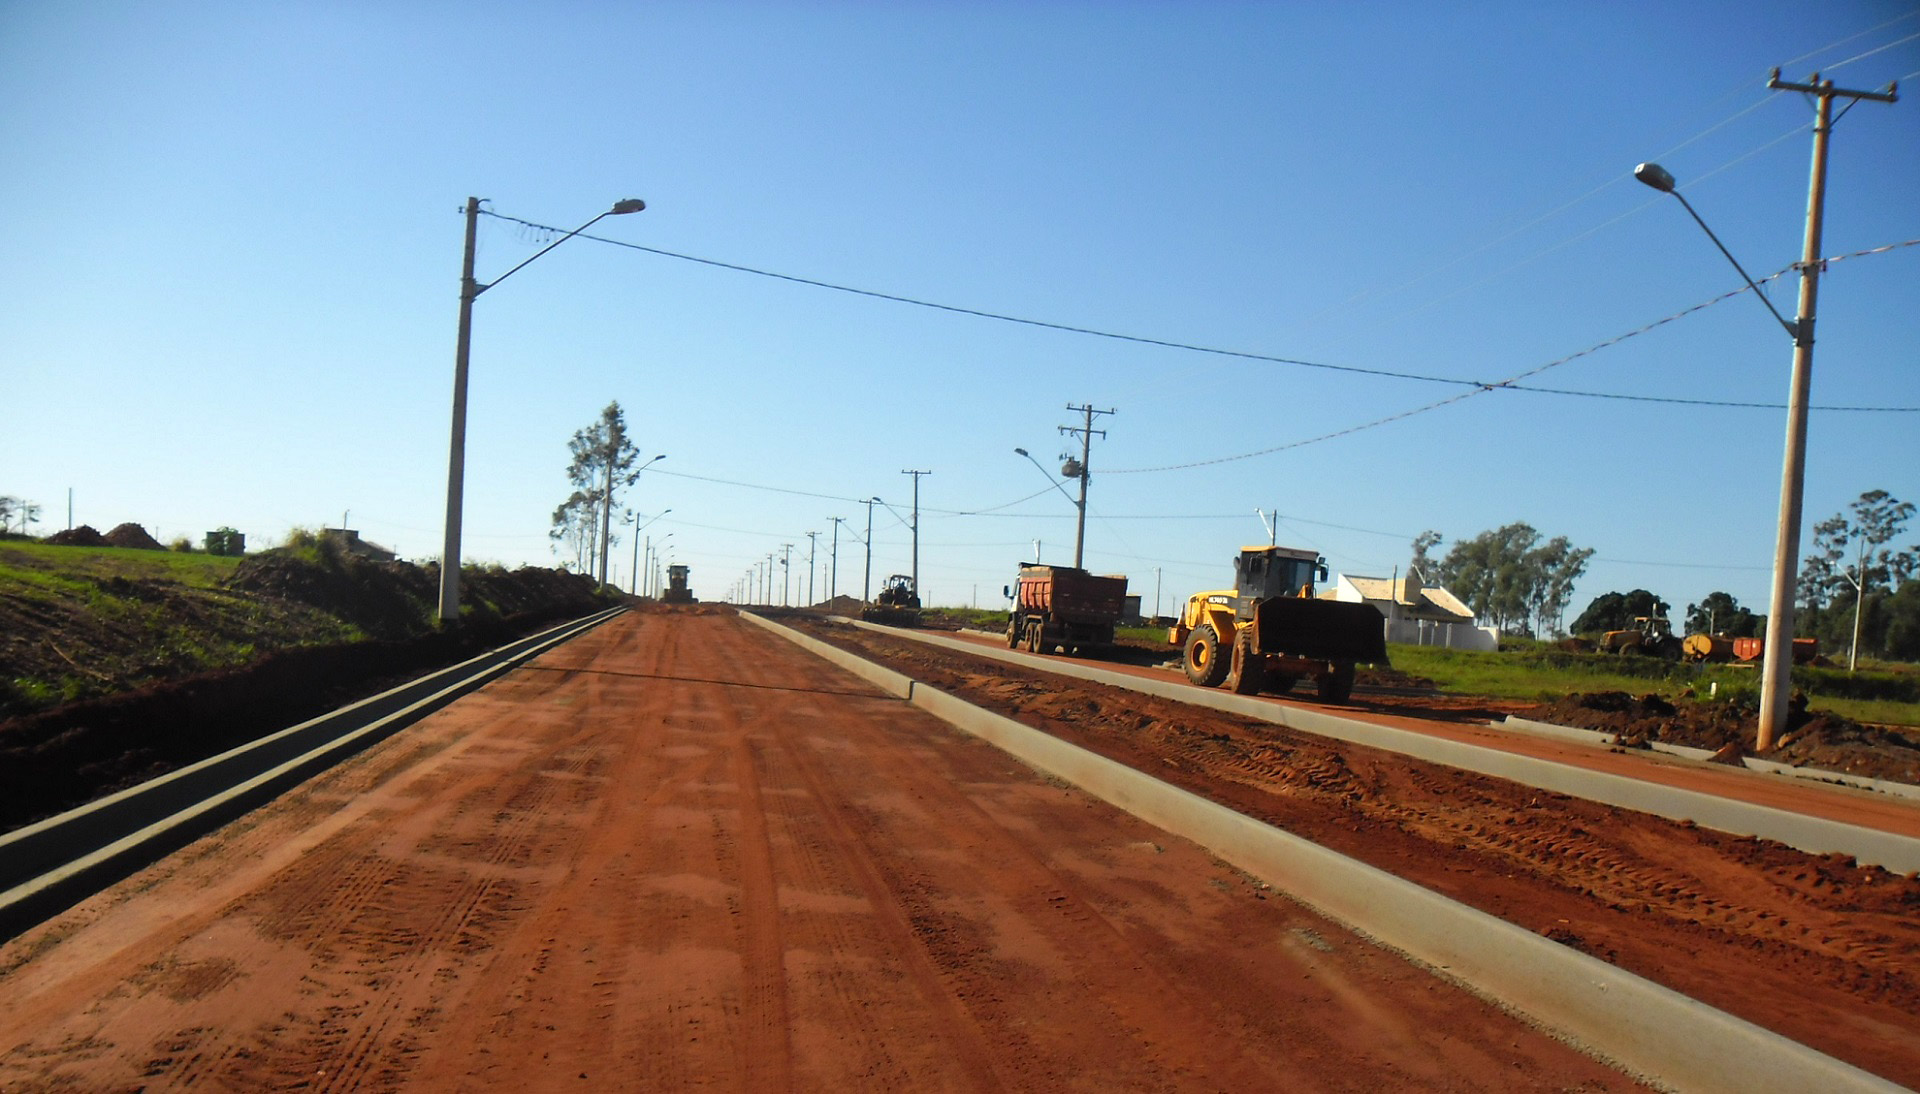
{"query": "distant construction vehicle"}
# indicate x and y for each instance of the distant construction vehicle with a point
(1650, 636)
(1064, 607)
(1269, 630)
(677, 591)
(1717, 647)
(898, 604)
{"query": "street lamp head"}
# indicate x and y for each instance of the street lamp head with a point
(628, 205)
(1655, 176)
(1022, 452)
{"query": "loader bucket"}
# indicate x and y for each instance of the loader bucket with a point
(1320, 630)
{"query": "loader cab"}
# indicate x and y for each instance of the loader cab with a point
(1262, 573)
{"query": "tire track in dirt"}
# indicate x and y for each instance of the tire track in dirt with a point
(679, 852)
(1811, 946)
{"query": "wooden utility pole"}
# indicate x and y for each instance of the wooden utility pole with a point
(1086, 432)
(1777, 661)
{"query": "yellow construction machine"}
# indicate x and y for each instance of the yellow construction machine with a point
(1650, 636)
(1269, 630)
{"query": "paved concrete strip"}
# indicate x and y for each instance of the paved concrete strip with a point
(1819, 836)
(1646, 1029)
(57, 862)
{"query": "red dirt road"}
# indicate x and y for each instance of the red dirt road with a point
(680, 852)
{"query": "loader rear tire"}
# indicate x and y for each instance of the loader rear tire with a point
(1207, 664)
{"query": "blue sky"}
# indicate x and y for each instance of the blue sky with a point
(229, 287)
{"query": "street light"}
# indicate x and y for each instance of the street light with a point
(1078, 503)
(1776, 667)
(634, 519)
(470, 290)
(606, 521)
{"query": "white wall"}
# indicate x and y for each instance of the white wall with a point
(1454, 636)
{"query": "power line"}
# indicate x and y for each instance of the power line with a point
(1478, 386)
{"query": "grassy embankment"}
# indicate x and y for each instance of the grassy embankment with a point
(1883, 693)
(85, 622)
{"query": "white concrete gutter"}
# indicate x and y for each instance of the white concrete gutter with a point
(1647, 1030)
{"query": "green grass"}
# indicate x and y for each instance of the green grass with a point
(38, 564)
(1542, 673)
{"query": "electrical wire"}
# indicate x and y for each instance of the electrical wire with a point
(1871, 52)
(1477, 385)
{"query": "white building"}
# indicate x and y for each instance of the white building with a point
(1418, 615)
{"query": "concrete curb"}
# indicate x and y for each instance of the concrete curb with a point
(1815, 835)
(1644, 1028)
(53, 864)
(1602, 739)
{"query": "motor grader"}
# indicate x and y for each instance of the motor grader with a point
(898, 604)
(1269, 630)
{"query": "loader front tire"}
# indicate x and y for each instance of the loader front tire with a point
(1337, 686)
(1207, 663)
(1248, 673)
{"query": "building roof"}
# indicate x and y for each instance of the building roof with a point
(1411, 597)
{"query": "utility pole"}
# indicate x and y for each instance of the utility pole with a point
(813, 544)
(866, 583)
(1777, 661)
(1086, 432)
(786, 572)
(833, 569)
(916, 528)
(457, 439)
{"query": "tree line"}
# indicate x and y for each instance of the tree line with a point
(1856, 576)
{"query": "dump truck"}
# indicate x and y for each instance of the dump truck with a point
(1269, 630)
(1064, 607)
(1650, 635)
(898, 604)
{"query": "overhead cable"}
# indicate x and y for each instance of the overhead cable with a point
(1478, 386)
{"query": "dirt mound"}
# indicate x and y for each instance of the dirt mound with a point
(86, 535)
(385, 599)
(1825, 741)
(132, 535)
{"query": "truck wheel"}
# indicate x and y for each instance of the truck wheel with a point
(1033, 637)
(1205, 665)
(1249, 670)
(1337, 686)
(1013, 632)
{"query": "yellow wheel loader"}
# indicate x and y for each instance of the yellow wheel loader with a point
(1269, 630)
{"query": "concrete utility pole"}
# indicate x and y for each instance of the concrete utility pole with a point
(457, 439)
(813, 544)
(786, 572)
(866, 583)
(470, 290)
(833, 568)
(1777, 661)
(916, 527)
(1086, 432)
